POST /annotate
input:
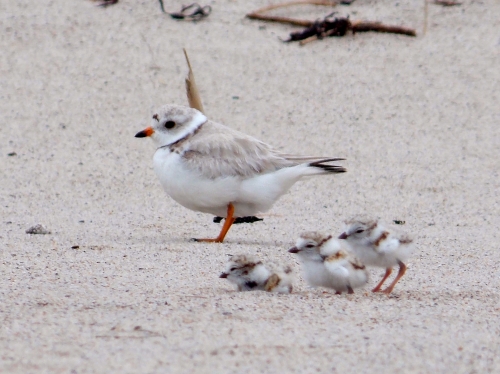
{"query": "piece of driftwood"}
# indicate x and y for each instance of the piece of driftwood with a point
(192, 92)
(258, 14)
(328, 26)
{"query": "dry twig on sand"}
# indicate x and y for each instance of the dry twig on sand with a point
(328, 26)
(291, 21)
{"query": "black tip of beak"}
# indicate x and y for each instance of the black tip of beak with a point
(223, 275)
(343, 236)
(294, 250)
(141, 134)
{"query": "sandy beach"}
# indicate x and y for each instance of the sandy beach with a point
(117, 287)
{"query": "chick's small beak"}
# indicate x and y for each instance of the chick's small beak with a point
(223, 275)
(343, 236)
(294, 250)
(148, 131)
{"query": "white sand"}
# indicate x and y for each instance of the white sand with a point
(417, 118)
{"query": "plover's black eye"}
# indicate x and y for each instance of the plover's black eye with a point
(310, 246)
(233, 269)
(169, 124)
(359, 231)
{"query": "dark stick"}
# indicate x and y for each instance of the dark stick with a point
(446, 3)
(161, 5)
(380, 27)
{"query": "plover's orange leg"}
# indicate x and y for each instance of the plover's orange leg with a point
(379, 285)
(402, 270)
(227, 224)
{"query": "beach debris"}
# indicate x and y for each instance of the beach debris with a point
(258, 14)
(105, 3)
(398, 222)
(75, 247)
(162, 6)
(328, 26)
(249, 219)
(12, 154)
(447, 3)
(323, 28)
(38, 230)
(191, 12)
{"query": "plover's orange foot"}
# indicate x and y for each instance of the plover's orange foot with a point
(205, 240)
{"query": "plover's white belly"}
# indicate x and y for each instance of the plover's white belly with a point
(372, 257)
(201, 194)
(192, 190)
(317, 275)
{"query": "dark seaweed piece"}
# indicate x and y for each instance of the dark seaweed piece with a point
(162, 6)
(322, 28)
(446, 3)
(106, 3)
(192, 12)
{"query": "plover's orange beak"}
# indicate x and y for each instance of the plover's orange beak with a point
(294, 250)
(148, 131)
(343, 236)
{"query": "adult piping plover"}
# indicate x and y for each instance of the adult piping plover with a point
(250, 274)
(375, 245)
(326, 262)
(210, 168)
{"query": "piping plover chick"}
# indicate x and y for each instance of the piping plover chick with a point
(327, 262)
(375, 245)
(250, 274)
(211, 168)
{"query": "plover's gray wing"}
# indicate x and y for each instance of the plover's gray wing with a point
(217, 151)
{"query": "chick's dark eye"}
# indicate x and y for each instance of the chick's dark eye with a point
(169, 124)
(359, 231)
(309, 246)
(233, 269)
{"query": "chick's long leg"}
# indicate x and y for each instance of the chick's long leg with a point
(225, 228)
(402, 271)
(379, 285)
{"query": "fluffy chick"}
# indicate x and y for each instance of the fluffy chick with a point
(327, 262)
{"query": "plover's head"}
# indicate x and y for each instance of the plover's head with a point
(171, 123)
(309, 246)
(358, 228)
